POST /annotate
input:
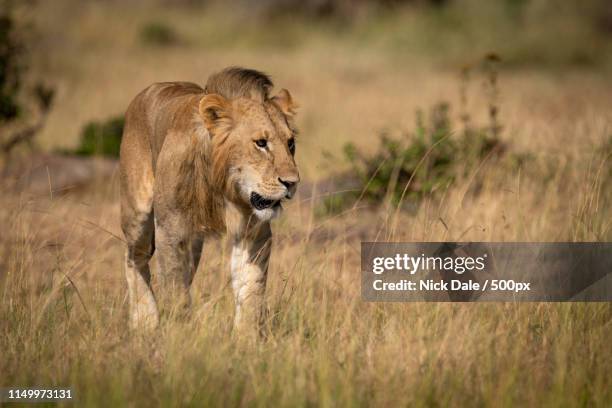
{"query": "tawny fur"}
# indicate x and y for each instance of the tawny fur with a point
(188, 165)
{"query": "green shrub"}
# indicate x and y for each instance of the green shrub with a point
(101, 138)
(430, 157)
(18, 90)
(417, 163)
(158, 34)
(10, 69)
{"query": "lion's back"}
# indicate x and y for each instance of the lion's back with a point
(154, 111)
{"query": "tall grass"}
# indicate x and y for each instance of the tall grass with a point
(63, 313)
(63, 305)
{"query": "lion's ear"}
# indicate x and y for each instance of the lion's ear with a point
(285, 102)
(215, 111)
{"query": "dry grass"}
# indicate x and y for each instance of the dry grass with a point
(63, 319)
(63, 314)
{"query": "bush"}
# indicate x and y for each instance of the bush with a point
(10, 72)
(417, 163)
(101, 138)
(429, 158)
(158, 34)
(19, 124)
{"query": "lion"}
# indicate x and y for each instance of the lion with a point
(196, 162)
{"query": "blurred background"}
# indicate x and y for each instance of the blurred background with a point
(356, 67)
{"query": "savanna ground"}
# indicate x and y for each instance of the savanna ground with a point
(63, 319)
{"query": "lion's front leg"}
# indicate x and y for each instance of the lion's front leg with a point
(174, 249)
(249, 268)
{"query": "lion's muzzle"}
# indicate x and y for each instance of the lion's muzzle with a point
(260, 203)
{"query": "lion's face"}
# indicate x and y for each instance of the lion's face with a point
(259, 143)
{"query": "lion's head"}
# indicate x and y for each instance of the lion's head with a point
(253, 140)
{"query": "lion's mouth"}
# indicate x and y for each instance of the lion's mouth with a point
(260, 203)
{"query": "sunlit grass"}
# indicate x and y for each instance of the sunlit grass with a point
(63, 305)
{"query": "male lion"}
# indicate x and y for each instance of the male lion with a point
(196, 162)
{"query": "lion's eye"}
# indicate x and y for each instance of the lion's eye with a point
(291, 145)
(261, 143)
